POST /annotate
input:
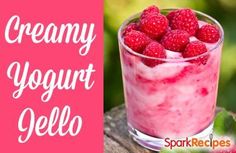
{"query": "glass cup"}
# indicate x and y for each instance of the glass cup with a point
(174, 99)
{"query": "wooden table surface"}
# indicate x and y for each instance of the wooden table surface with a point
(116, 137)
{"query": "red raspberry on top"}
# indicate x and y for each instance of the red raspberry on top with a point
(175, 40)
(208, 33)
(150, 10)
(154, 25)
(196, 48)
(136, 40)
(154, 49)
(171, 15)
(185, 19)
(129, 27)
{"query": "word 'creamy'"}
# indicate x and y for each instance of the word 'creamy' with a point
(15, 31)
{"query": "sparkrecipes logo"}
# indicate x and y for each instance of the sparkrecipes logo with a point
(213, 143)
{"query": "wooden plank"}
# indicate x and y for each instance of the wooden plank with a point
(110, 146)
(115, 127)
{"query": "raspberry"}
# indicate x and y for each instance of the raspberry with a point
(154, 49)
(208, 33)
(175, 40)
(196, 48)
(129, 27)
(150, 10)
(185, 19)
(154, 25)
(171, 15)
(136, 40)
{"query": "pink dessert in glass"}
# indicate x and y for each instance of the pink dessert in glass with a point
(174, 98)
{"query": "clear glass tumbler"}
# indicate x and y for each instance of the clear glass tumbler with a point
(175, 99)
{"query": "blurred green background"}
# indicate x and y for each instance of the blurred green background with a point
(116, 11)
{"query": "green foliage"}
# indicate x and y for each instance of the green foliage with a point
(225, 124)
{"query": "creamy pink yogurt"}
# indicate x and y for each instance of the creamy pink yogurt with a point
(173, 99)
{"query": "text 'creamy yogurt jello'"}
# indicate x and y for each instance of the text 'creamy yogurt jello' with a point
(170, 64)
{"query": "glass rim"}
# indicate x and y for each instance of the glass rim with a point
(120, 39)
